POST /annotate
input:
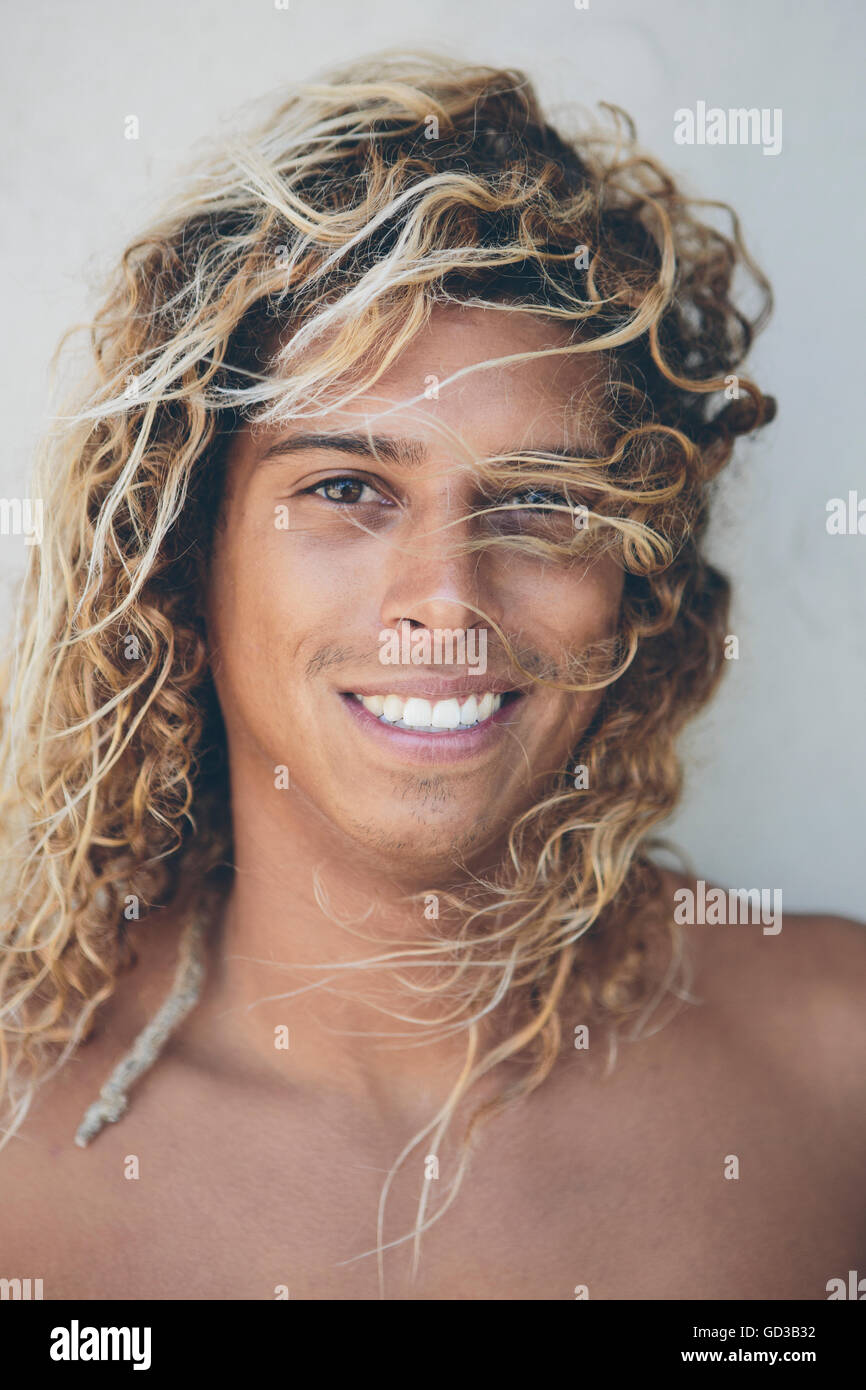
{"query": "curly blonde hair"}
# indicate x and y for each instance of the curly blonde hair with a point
(357, 205)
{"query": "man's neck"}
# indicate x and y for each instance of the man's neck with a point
(287, 993)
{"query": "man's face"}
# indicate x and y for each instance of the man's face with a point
(322, 546)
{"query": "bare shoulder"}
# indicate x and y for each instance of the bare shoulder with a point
(44, 1142)
(812, 969)
(51, 1189)
(791, 984)
(820, 947)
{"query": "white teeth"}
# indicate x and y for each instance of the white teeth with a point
(416, 713)
(446, 714)
(469, 711)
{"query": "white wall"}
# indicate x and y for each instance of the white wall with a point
(777, 767)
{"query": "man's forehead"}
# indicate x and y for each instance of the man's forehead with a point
(470, 349)
(495, 416)
(473, 378)
(488, 353)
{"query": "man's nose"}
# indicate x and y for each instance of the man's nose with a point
(434, 577)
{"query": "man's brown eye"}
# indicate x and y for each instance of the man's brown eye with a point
(347, 490)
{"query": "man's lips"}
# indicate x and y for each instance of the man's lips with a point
(421, 730)
(420, 713)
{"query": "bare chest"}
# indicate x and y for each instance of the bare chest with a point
(231, 1196)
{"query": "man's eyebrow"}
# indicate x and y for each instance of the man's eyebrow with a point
(406, 452)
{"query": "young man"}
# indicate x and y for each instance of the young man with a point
(358, 710)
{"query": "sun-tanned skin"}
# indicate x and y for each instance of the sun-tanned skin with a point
(261, 1168)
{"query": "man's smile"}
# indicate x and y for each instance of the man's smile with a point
(434, 724)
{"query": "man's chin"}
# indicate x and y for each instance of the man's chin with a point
(422, 851)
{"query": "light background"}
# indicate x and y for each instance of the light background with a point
(775, 785)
